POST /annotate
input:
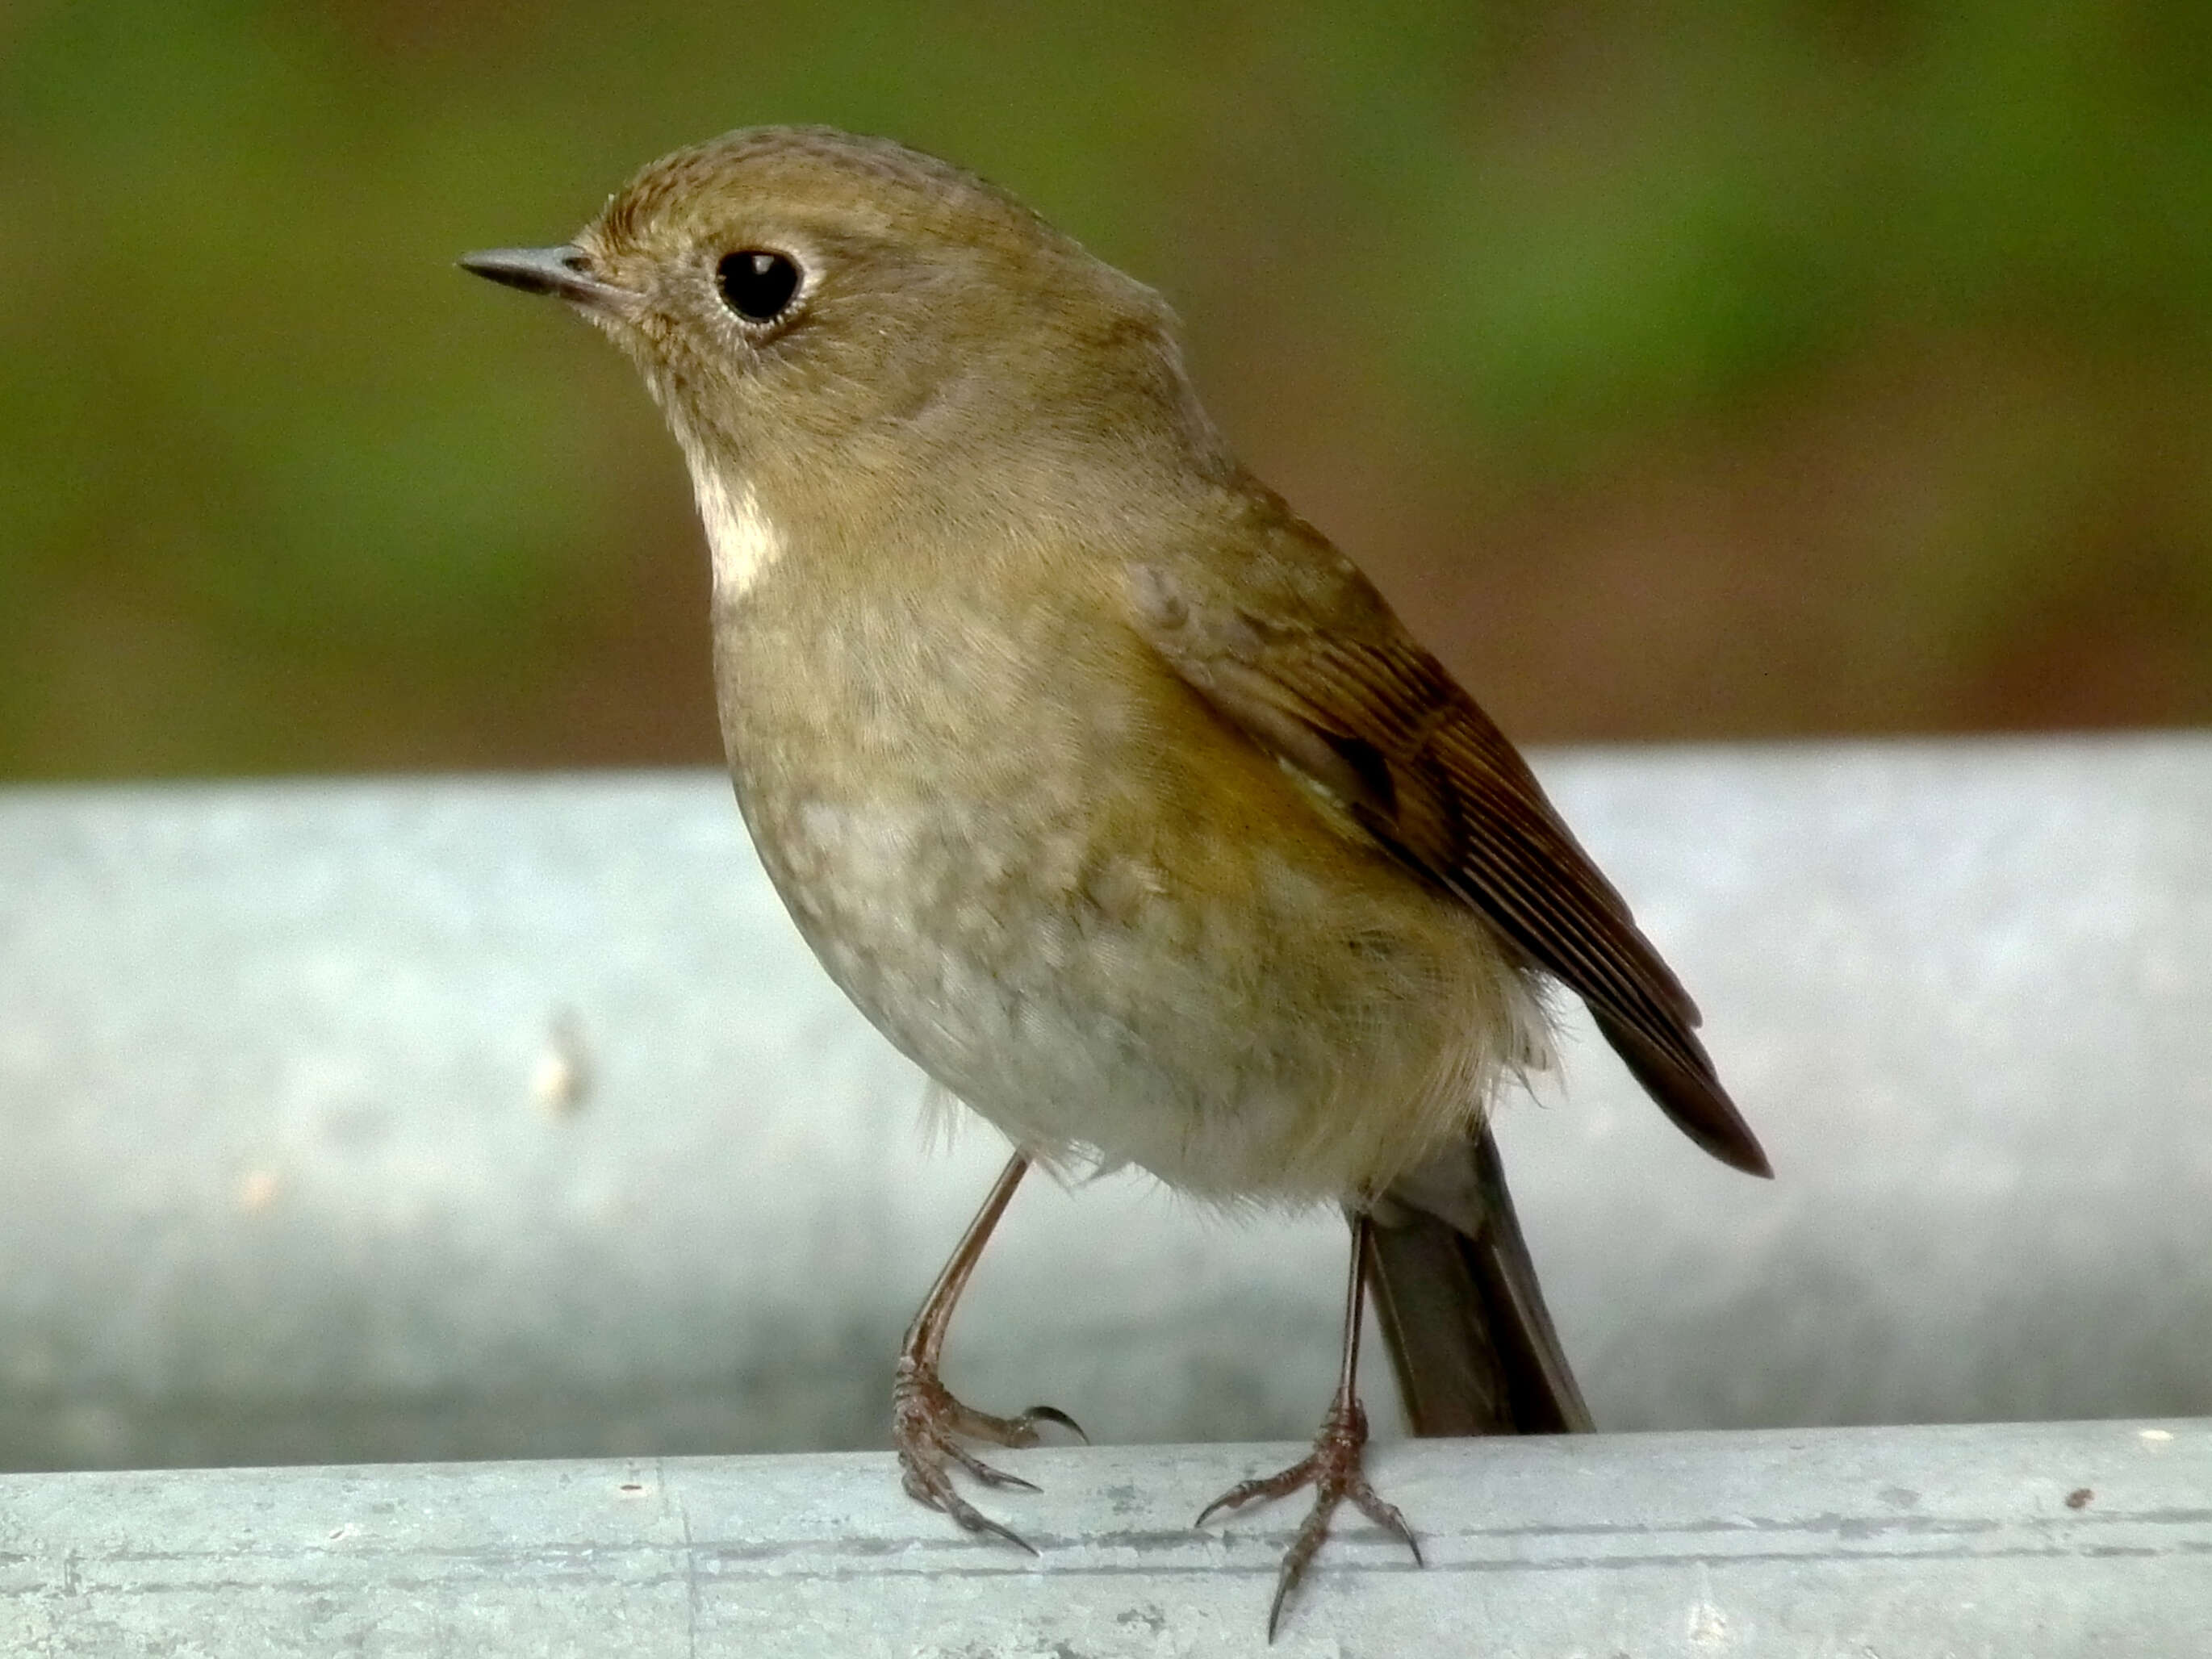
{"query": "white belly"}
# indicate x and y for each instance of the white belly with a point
(1299, 1044)
(1112, 931)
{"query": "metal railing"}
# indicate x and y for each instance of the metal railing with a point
(506, 1117)
(2055, 1539)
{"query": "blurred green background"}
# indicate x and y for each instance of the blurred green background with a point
(1716, 370)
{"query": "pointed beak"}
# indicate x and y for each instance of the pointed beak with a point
(562, 271)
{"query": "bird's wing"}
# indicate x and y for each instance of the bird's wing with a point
(1302, 656)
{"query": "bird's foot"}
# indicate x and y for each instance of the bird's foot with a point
(928, 1425)
(1334, 1471)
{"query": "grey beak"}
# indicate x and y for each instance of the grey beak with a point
(557, 271)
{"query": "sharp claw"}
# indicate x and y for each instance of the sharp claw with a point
(975, 1521)
(1387, 1516)
(1236, 1497)
(982, 1471)
(1053, 1415)
(928, 1422)
(1335, 1473)
(1284, 1580)
(1302, 1474)
(1298, 1557)
(931, 1487)
(1010, 1535)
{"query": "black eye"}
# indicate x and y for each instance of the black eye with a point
(756, 284)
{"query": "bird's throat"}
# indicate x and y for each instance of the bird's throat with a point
(744, 540)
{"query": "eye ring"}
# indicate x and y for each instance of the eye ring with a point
(758, 284)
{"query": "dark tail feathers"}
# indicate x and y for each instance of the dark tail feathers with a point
(1460, 1309)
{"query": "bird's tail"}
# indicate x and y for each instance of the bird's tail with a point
(1459, 1306)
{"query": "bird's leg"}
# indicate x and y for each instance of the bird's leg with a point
(927, 1423)
(1333, 1469)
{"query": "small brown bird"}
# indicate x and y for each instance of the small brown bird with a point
(1110, 791)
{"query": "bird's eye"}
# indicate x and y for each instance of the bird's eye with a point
(757, 284)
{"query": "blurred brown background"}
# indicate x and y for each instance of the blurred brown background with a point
(1752, 368)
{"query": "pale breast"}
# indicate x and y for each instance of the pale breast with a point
(1099, 918)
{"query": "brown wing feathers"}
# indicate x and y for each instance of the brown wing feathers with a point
(1420, 767)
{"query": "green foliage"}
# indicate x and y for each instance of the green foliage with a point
(278, 488)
